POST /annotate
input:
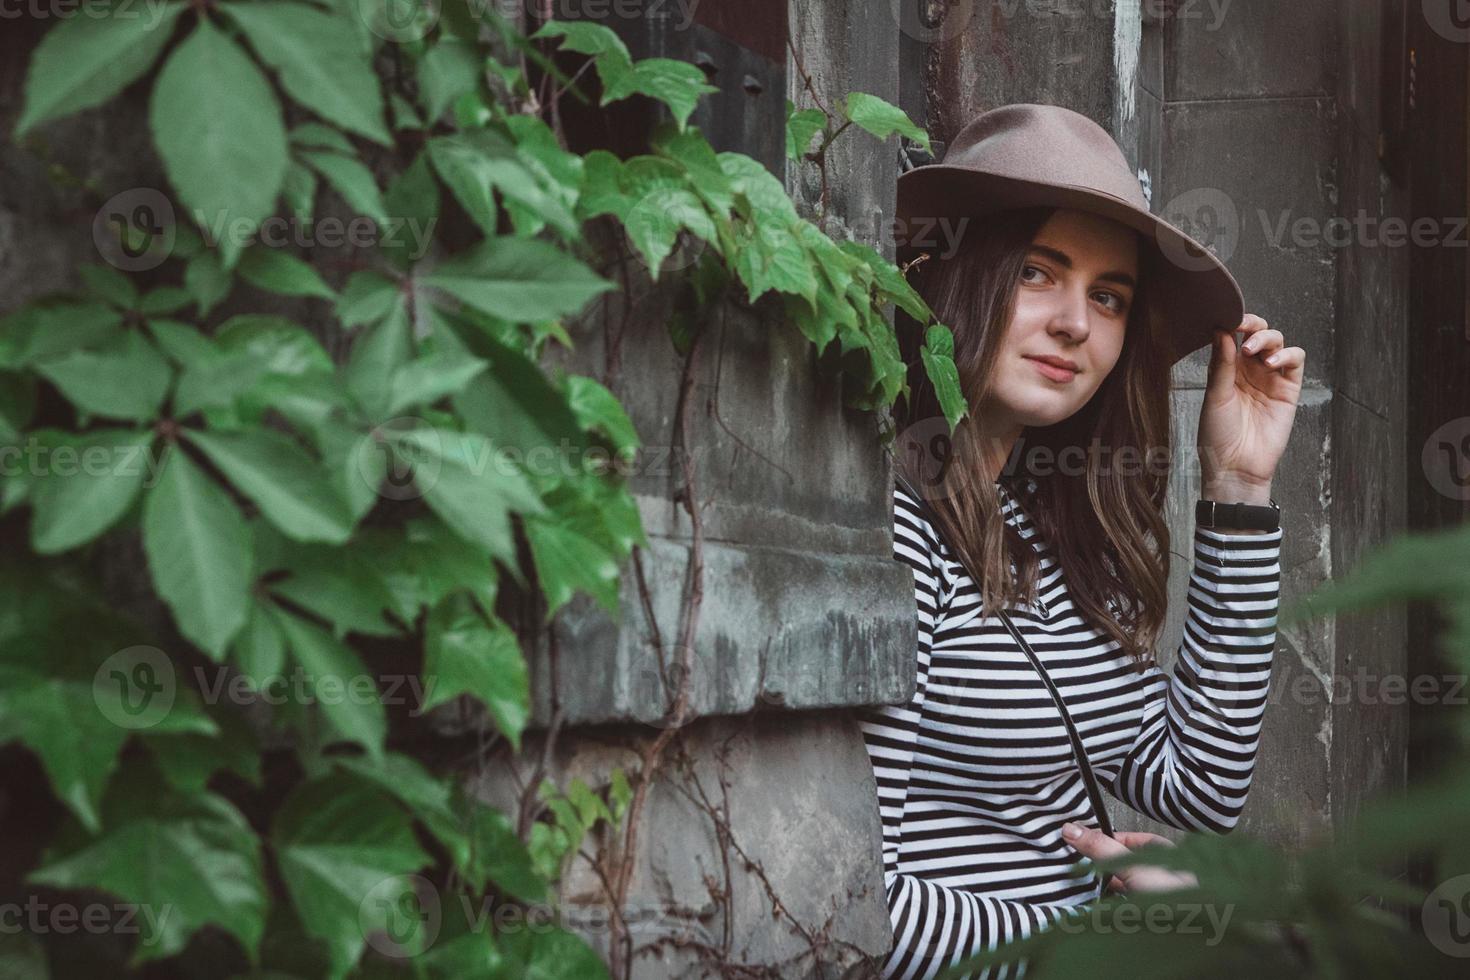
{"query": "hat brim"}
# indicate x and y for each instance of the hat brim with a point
(1197, 293)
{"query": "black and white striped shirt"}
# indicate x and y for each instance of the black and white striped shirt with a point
(976, 776)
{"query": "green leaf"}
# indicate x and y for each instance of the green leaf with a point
(768, 199)
(283, 347)
(188, 760)
(45, 329)
(602, 180)
(677, 84)
(199, 553)
(377, 354)
(85, 61)
(109, 285)
(470, 484)
(801, 126)
(518, 279)
(463, 654)
(412, 202)
(475, 164)
(596, 407)
(341, 585)
(218, 127)
(351, 179)
(403, 114)
(404, 779)
(938, 355)
(321, 65)
(770, 256)
(696, 169)
(568, 557)
(338, 682)
(889, 280)
(128, 380)
(514, 403)
(291, 489)
(207, 281)
(188, 860)
(321, 137)
(184, 343)
(498, 855)
(558, 171)
(654, 219)
(883, 119)
(298, 190)
(446, 70)
(551, 954)
(425, 380)
(342, 847)
(583, 37)
(281, 272)
(74, 504)
(366, 298)
(447, 813)
(260, 648)
(439, 562)
(51, 707)
(164, 300)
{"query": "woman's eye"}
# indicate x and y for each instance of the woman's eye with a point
(1113, 301)
(1030, 269)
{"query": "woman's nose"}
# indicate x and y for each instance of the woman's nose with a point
(1069, 319)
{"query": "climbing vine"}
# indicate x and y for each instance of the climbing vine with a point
(300, 505)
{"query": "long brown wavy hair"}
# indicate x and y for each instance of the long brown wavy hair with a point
(1103, 518)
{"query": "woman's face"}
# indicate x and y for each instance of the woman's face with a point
(1072, 304)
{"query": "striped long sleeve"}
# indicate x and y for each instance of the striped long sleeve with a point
(975, 774)
(934, 925)
(1192, 761)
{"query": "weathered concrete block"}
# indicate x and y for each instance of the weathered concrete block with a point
(1257, 182)
(1217, 49)
(755, 824)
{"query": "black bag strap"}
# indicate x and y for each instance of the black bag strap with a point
(1079, 750)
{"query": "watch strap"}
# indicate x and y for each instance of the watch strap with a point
(1253, 517)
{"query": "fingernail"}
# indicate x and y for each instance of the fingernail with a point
(1249, 346)
(1071, 831)
(1273, 358)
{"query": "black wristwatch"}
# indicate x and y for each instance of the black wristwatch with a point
(1252, 517)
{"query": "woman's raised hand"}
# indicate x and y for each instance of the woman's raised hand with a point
(1249, 406)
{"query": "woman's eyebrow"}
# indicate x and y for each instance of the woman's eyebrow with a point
(1065, 261)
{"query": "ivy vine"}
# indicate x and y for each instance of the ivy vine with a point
(299, 497)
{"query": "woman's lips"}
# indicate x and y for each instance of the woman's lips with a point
(1052, 371)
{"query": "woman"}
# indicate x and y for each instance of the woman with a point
(1038, 545)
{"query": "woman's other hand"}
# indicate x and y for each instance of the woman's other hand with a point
(1137, 878)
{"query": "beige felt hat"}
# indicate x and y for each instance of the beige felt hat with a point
(1045, 155)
